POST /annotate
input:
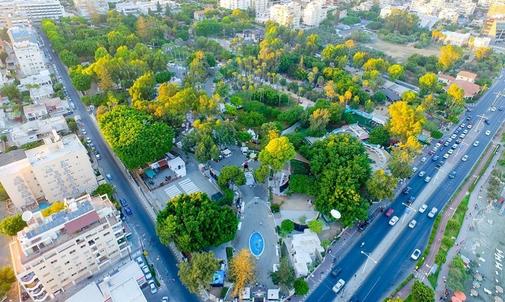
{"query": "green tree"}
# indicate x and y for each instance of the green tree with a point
(134, 135)
(196, 274)
(399, 164)
(277, 152)
(230, 174)
(285, 275)
(287, 226)
(422, 293)
(381, 185)
(11, 225)
(3, 194)
(107, 189)
(7, 278)
(72, 124)
(319, 119)
(198, 68)
(301, 287)
(193, 222)
(69, 58)
(379, 136)
(341, 167)
(11, 91)
(316, 226)
(80, 79)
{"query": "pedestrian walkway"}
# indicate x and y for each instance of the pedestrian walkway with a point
(425, 270)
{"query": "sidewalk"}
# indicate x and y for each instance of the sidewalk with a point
(448, 213)
(473, 210)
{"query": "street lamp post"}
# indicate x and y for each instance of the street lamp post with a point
(368, 257)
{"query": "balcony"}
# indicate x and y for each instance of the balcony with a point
(40, 297)
(27, 278)
(37, 290)
(32, 284)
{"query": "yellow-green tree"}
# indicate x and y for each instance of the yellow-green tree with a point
(395, 71)
(428, 82)
(482, 52)
(381, 185)
(277, 153)
(456, 95)
(319, 119)
(358, 59)
(242, 271)
(449, 54)
(405, 121)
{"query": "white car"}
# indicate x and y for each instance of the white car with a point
(438, 145)
(476, 143)
(149, 276)
(464, 158)
(412, 223)
(423, 208)
(414, 169)
(469, 126)
(140, 261)
(109, 177)
(153, 287)
(493, 109)
(415, 255)
(338, 286)
(433, 212)
(98, 156)
(454, 136)
(422, 173)
(427, 179)
(393, 220)
(446, 155)
(423, 159)
(488, 132)
(454, 146)
(145, 269)
(465, 131)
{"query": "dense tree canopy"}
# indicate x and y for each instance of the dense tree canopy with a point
(7, 278)
(340, 165)
(193, 222)
(197, 273)
(11, 225)
(242, 270)
(134, 136)
(277, 152)
(230, 174)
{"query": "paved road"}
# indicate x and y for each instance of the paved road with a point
(395, 263)
(162, 257)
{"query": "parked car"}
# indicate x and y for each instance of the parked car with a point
(338, 286)
(128, 211)
(123, 202)
(415, 255)
(427, 179)
(164, 299)
(488, 132)
(393, 220)
(452, 174)
(140, 261)
(433, 212)
(109, 177)
(476, 143)
(389, 212)
(336, 271)
(464, 158)
(422, 173)
(98, 156)
(406, 190)
(152, 287)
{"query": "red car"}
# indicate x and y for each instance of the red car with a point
(389, 212)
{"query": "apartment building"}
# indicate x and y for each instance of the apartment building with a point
(53, 253)
(36, 130)
(314, 13)
(33, 10)
(88, 8)
(56, 170)
(39, 85)
(29, 56)
(287, 14)
(144, 7)
(261, 8)
(235, 4)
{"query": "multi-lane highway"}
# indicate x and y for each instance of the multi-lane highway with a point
(394, 262)
(140, 221)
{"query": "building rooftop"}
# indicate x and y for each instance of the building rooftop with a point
(66, 144)
(12, 156)
(466, 74)
(22, 33)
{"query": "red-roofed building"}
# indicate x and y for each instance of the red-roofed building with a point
(466, 76)
(470, 89)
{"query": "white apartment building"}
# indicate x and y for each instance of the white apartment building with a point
(314, 13)
(55, 252)
(33, 10)
(304, 249)
(287, 14)
(54, 171)
(35, 130)
(235, 4)
(143, 7)
(88, 8)
(39, 85)
(261, 8)
(29, 57)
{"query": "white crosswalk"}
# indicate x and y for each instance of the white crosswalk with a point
(172, 191)
(189, 186)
